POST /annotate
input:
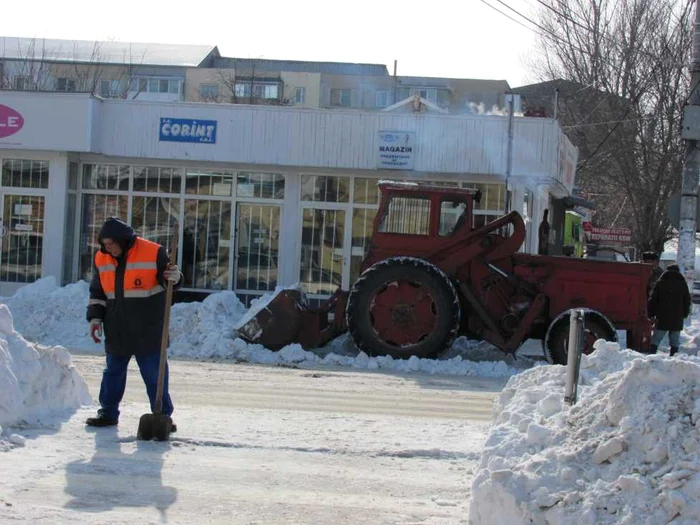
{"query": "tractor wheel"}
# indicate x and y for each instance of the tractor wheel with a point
(403, 307)
(556, 343)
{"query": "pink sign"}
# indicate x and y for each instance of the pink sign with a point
(10, 121)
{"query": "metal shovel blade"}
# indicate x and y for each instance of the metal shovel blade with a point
(154, 427)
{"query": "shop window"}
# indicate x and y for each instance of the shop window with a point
(453, 215)
(258, 233)
(206, 244)
(23, 242)
(158, 180)
(362, 227)
(96, 210)
(214, 183)
(155, 218)
(407, 216)
(366, 191)
(105, 177)
(492, 196)
(322, 188)
(341, 97)
(260, 185)
(73, 176)
(322, 250)
(20, 173)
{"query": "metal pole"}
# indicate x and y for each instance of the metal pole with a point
(509, 160)
(573, 363)
(691, 169)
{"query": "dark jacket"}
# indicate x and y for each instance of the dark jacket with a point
(670, 301)
(132, 326)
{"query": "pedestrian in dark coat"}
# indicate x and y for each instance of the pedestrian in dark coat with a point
(127, 298)
(670, 305)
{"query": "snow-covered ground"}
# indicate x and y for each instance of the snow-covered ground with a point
(260, 444)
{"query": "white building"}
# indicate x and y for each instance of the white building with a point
(261, 196)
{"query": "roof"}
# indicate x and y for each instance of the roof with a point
(442, 81)
(104, 52)
(300, 66)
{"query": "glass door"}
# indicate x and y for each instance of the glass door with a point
(22, 238)
(323, 256)
(257, 247)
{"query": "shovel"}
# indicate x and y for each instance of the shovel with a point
(157, 425)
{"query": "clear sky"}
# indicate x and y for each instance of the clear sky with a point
(450, 38)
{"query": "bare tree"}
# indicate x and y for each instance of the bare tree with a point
(630, 58)
(28, 70)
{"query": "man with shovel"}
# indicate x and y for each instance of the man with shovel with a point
(127, 298)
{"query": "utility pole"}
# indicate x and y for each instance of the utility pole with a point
(691, 164)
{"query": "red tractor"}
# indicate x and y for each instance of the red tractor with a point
(429, 276)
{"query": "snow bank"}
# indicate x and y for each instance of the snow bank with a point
(51, 315)
(35, 381)
(626, 453)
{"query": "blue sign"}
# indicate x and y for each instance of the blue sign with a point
(188, 130)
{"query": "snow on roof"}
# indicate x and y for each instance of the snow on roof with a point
(104, 52)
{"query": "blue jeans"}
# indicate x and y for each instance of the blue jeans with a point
(674, 338)
(114, 383)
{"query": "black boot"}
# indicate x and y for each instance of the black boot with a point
(674, 351)
(653, 349)
(101, 421)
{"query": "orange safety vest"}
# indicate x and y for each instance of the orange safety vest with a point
(140, 276)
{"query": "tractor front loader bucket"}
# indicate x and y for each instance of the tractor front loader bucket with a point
(287, 319)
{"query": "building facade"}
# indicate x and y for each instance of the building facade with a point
(261, 196)
(185, 73)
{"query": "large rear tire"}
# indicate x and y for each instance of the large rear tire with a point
(402, 307)
(556, 343)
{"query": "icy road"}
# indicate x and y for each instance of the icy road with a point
(259, 445)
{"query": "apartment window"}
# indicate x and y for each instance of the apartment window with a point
(242, 90)
(159, 85)
(300, 95)
(209, 91)
(21, 82)
(109, 88)
(340, 97)
(65, 84)
(382, 99)
(266, 91)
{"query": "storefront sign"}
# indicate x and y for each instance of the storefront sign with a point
(188, 130)
(396, 150)
(10, 121)
(607, 235)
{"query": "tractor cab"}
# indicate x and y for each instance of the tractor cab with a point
(419, 219)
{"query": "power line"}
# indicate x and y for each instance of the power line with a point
(507, 16)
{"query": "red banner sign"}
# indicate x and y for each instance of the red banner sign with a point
(610, 235)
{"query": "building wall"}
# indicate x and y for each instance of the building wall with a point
(309, 82)
(222, 78)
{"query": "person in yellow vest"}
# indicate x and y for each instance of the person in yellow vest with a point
(127, 301)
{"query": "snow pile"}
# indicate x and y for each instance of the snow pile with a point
(35, 381)
(626, 453)
(204, 330)
(51, 315)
